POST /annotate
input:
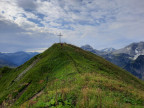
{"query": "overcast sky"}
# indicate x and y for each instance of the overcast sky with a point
(33, 25)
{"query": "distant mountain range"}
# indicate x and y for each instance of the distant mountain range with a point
(89, 48)
(130, 57)
(15, 59)
(134, 50)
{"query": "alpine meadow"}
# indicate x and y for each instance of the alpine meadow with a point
(65, 76)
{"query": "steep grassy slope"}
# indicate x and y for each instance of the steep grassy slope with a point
(67, 76)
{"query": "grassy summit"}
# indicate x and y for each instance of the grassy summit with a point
(67, 76)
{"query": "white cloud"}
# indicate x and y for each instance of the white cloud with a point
(40, 50)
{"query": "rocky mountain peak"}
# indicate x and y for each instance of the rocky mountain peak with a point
(134, 50)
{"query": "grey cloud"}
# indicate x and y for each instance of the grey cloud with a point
(9, 27)
(29, 5)
(21, 42)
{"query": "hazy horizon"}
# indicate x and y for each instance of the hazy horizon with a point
(40, 50)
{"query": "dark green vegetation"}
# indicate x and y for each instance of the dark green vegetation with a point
(67, 76)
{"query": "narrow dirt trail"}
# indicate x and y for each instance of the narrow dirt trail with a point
(37, 95)
(27, 69)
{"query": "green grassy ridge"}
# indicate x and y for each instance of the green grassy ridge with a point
(98, 63)
(66, 63)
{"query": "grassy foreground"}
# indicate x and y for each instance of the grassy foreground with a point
(67, 76)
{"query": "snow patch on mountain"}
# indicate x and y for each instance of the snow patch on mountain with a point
(138, 53)
(108, 50)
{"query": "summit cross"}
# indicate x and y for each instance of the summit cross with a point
(60, 35)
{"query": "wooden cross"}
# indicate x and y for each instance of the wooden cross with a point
(60, 35)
